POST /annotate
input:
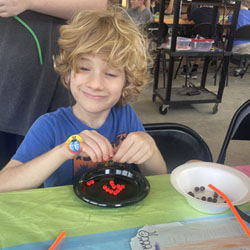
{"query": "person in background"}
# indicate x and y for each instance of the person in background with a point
(241, 46)
(191, 7)
(29, 86)
(155, 7)
(202, 14)
(104, 70)
(140, 13)
(169, 10)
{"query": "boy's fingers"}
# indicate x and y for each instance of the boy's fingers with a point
(99, 144)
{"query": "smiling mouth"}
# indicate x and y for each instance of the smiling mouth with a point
(95, 97)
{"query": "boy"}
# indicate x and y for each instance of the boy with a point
(140, 13)
(242, 46)
(103, 61)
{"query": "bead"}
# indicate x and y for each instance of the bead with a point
(209, 199)
(216, 195)
(191, 194)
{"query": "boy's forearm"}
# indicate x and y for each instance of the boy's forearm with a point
(65, 8)
(33, 173)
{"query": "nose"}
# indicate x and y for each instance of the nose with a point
(95, 81)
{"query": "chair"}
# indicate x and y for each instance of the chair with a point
(153, 30)
(239, 129)
(241, 60)
(157, 37)
(178, 143)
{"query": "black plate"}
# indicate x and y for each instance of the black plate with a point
(136, 187)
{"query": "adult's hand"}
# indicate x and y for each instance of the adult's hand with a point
(59, 8)
(13, 7)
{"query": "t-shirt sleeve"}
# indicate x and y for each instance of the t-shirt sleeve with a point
(135, 123)
(150, 18)
(38, 140)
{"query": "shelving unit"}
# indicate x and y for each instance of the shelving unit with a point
(184, 94)
(185, 4)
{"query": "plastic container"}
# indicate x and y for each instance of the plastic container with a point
(201, 44)
(230, 181)
(182, 43)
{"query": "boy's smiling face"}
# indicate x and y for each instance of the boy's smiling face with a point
(97, 87)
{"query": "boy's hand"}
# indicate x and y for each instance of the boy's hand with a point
(12, 7)
(137, 148)
(96, 146)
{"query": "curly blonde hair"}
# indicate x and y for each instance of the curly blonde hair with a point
(113, 36)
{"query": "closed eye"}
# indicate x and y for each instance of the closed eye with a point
(84, 69)
(111, 75)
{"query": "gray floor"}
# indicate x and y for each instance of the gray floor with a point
(211, 127)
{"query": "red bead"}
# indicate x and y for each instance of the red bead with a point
(92, 182)
(104, 187)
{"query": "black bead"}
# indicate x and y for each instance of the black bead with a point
(203, 198)
(209, 199)
(191, 193)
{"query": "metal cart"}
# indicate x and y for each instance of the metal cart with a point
(193, 94)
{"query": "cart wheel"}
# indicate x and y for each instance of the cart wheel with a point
(163, 110)
(215, 108)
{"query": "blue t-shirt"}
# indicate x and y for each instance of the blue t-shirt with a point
(55, 128)
(202, 15)
(243, 19)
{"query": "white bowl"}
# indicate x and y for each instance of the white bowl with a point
(230, 181)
